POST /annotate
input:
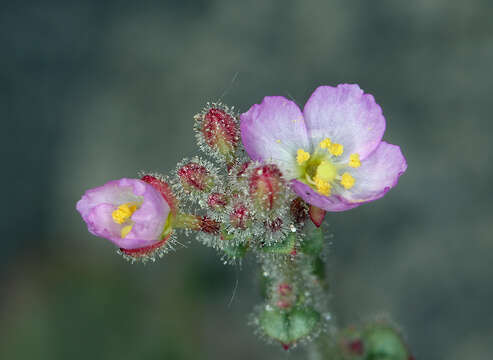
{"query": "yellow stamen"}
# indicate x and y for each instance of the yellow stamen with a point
(126, 230)
(302, 156)
(325, 143)
(347, 181)
(323, 187)
(278, 141)
(354, 160)
(336, 149)
(123, 213)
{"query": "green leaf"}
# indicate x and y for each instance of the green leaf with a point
(291, 326)
(302, 321)
(313, 243)
(283, 247)
(384, 343)
(275, 324)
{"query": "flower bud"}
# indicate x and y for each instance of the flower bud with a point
(239, 216)
(194, 176)
(133, 214)
(299, 210)
(266, 185)
(274, 225)
(217, 201)
(217, 128)
(209, 226)
(242, 168)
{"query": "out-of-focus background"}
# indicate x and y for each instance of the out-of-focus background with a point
(96, 90)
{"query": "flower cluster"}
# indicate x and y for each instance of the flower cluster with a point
(262, 175)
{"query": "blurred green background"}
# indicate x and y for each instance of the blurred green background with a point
(97, 90)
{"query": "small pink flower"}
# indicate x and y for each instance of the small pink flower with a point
(332, 152)
(131, 213)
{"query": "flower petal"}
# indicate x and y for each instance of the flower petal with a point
(114, 192)
(273, 131)
(100, 223)
(378, 173)
(328, 203)
(149, 220)
(347, 116)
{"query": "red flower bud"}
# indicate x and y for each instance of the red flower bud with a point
(239, 216)
(266, 184)
(217, 201)
(242, 169)
(209, 226)
(194, 176)
(299, 210)
(274, 225)
(218, 129)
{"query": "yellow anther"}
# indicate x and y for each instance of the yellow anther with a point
(336, 149)
(323, 187)
(125, 230)
(302, 156)
(347, 181)
(278, 141)
(354, 160)
(123, 212)
(325, 143)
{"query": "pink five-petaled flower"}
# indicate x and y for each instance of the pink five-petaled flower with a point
(131, 213)
(332, 152)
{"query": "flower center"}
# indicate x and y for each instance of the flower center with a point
(122, 214)
(319, 171)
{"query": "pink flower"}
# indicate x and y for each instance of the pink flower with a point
(332, 152)
(131, 213)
